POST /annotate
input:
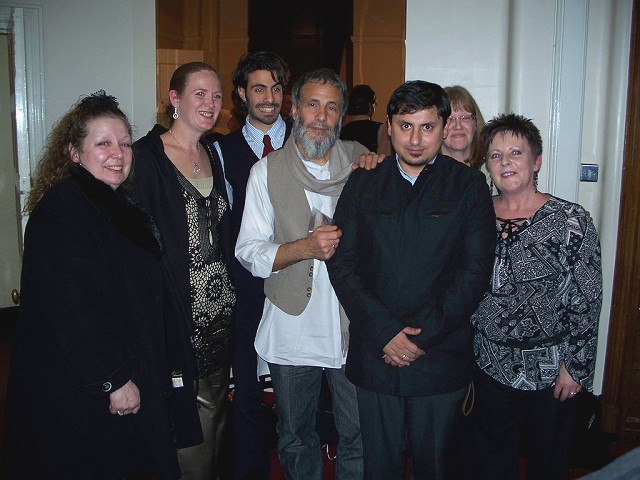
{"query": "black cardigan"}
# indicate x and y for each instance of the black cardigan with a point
(156, 186)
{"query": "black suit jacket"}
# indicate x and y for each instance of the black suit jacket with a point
(238, 159)
(417, 256)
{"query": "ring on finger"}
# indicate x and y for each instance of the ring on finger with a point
(120, 413)
(404, 357)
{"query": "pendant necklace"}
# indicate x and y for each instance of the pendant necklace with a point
(196, 168)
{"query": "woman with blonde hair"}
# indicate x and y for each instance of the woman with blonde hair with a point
(179, 179)
(465, 124)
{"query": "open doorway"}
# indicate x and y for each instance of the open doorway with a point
(308, 34)
(10, 233)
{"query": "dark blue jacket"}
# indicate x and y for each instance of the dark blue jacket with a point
(417, 256)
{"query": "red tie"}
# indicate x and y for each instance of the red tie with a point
(268, 148)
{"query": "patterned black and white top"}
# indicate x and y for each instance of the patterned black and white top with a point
(213, 297)
(545, 300)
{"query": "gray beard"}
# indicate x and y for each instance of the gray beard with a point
(311, 148)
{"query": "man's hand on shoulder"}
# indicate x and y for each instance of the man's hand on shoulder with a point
(368, 161)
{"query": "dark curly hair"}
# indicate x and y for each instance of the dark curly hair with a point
(252, 62)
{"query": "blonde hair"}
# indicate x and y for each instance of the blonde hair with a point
(461, 99)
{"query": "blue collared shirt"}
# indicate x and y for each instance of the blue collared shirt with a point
(254, 137)
(405, 175)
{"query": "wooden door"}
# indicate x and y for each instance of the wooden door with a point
(621, 389)
(10, 227)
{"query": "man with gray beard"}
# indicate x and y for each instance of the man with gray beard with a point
(285, 237)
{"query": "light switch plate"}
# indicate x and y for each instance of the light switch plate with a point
(589, 172)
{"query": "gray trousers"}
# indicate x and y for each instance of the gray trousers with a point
(201, 462)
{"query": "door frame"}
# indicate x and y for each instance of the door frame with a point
(620, 399)
(24, 26)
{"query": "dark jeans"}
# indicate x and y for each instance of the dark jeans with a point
(297, 390)
(425, 427)
(503, 416)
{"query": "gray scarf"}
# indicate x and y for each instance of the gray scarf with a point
(341, 156)
(339, 170)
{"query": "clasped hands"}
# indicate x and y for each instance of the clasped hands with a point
(400, 351)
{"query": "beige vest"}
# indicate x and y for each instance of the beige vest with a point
(290, 288)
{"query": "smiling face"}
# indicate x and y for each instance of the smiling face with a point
(417, 138)
(461, 134)
(263, 97)
(317, 120)
(511, 164)
(200, 102)
(105, 151)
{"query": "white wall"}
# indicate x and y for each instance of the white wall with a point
(89, 45)
(562, 63)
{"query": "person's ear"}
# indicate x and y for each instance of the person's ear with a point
(174, 98)
(242, 93)
(445, 130)
(74, 154)
(537, 164)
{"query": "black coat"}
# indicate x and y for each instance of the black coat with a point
(155, 185)
(90, 320)
(417, 256)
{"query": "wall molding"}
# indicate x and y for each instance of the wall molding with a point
(567, 93)
(24, 25)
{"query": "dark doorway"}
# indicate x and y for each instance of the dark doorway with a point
(307, 33)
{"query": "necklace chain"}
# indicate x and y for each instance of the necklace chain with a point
(196, 168)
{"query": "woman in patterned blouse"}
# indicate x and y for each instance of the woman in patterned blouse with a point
(536, 329)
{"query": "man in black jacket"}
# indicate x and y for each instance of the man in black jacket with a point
(412, 265)
(259, 80)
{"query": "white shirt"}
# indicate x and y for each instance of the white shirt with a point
(254, 137)
(312, 338)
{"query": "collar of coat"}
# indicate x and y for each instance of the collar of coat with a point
(120, 209)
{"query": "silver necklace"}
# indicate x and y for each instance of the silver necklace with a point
(196, 168)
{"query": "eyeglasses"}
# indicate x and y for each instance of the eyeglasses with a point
(463, 119)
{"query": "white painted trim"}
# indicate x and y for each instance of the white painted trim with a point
(567, 95)
(24, 25)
